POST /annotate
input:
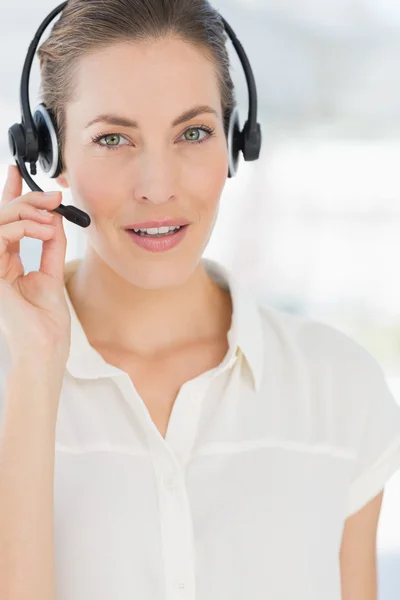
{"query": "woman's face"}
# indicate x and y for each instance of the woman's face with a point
(152, 171)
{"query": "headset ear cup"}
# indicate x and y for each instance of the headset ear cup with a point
(49, 154)
(59, 167)
(234, 142)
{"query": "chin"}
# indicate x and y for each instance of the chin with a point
(160, 276)
(153, 271)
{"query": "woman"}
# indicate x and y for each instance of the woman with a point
(205, 447)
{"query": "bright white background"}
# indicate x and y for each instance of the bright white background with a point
(314, 225)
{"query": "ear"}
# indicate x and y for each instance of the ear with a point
(62, 181)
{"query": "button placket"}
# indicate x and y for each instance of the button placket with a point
(176, 526)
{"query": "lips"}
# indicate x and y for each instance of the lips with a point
(165, 223)
(158, 244)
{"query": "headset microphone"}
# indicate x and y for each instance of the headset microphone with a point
(35, 138)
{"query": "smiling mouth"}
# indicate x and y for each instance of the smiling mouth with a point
(158, 235)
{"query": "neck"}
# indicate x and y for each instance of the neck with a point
(146, 323)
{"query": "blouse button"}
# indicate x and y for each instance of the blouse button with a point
(180, 586)
(170, 482)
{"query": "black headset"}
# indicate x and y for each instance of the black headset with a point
(35, 138)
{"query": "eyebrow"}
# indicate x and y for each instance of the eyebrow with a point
(124, 122)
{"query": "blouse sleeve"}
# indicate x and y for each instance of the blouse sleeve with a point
(378, 445)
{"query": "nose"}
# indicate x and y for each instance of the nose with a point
(154, 177)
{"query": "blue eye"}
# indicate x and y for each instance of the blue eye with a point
(117, 136)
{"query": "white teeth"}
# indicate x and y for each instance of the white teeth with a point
(157, 230)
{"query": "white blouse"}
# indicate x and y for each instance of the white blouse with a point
(246, 498)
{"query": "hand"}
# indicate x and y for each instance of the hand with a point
(34, 314)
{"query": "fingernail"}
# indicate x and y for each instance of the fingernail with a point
(51, 193)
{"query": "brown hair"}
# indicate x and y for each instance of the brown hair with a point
(87, 25)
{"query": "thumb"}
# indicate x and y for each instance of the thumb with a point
(12, 189)
(54, 250)
(13, 186)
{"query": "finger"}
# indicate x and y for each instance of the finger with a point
(37, 200)
(18, 212)
(43, 200)
(13, 186)
(13, 191)
(31, 214)
(13, 232)
(54, 250)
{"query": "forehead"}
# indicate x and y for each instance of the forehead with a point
(161, 73)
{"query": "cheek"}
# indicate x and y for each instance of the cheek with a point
(95, 189)
(207, 179)
(213, 188)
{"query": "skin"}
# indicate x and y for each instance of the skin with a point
(143, 303)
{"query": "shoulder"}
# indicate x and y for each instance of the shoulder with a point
(334, 379)
(312, 342)
(323, 369)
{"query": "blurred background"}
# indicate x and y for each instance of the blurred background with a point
(313, 227)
